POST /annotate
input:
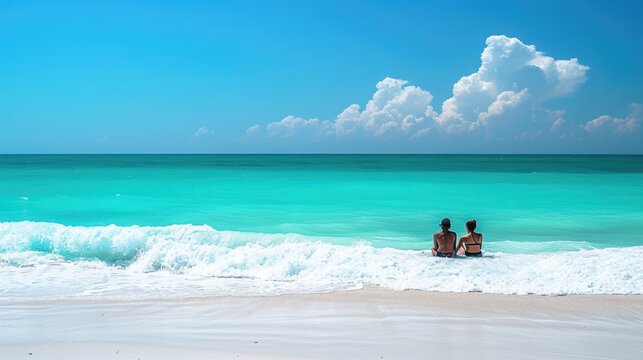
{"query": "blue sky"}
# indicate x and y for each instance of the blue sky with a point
(246, 76)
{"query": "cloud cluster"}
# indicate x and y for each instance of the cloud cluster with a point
(503, 99)
(630, 124)
(396, 109)
(511, 75)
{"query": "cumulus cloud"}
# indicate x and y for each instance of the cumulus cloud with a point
(202, 131)
(628, 125)
(292, 125)
(396, 109)
(511, 74)
(504, 100)
(253, 130)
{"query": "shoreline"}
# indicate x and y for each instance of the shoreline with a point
(355, 324)
(369, 294)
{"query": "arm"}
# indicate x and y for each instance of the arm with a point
(455, 239)
(460, 246)
(435, 243)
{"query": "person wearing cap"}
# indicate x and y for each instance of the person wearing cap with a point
(444, 241)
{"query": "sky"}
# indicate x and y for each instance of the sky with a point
(321, 77)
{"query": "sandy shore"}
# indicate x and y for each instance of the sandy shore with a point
(365, 324)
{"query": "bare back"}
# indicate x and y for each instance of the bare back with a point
(472, 242)
(444, 241)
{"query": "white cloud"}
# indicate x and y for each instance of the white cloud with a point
(510, 73)
(202, 131)
(253, 130)
(395, 109)
(504, 100)
(630, 124)
(557, 118)
(292, 125)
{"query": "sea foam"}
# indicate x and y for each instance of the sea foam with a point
(52, 260)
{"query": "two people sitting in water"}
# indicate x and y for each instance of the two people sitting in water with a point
(444, 242)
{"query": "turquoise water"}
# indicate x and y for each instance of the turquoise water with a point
(391, 201)
(200, 225)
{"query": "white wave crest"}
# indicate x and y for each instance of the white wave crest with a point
(188, 260)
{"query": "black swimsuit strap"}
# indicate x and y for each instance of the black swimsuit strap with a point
(474, 239)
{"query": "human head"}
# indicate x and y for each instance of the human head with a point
(471, 225)
(445, 224)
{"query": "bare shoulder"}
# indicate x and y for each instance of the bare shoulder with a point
(439, 233)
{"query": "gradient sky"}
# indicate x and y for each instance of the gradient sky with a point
(250, 76)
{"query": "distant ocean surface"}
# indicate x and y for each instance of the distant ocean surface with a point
(166, 226)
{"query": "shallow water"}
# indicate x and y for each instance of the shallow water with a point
(298, 223)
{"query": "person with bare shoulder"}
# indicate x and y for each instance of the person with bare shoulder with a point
(444, 241)
(471, 243)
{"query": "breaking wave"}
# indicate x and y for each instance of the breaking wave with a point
(53, 260)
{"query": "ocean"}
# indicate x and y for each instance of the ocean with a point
(168, 226)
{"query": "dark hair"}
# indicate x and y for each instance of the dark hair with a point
(471, 225)
(445, 224)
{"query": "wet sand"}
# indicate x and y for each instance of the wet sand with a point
(371, 323)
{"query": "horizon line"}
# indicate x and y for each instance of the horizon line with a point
(330, 154)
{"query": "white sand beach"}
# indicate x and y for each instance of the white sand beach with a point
(371, 323)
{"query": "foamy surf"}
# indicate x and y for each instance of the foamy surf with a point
(47, 260)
